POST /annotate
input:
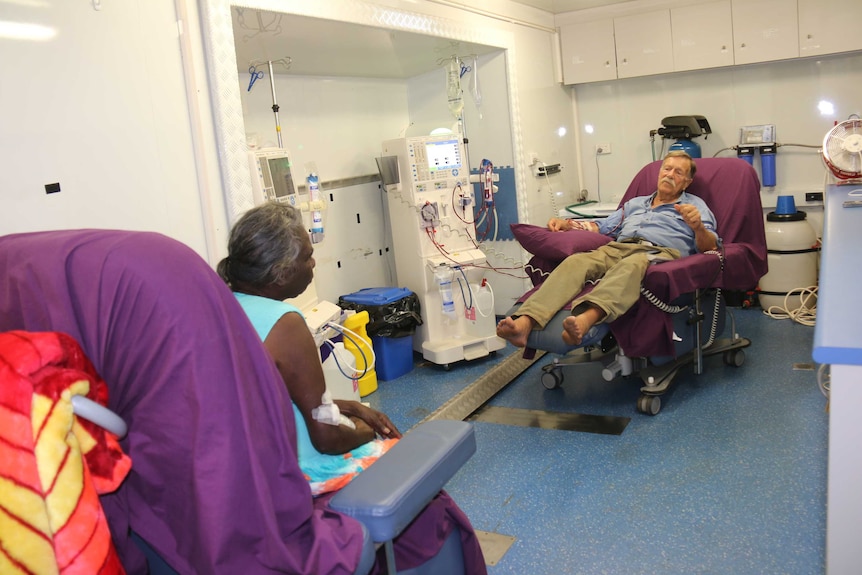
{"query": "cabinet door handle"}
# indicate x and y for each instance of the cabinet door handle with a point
(742, 45)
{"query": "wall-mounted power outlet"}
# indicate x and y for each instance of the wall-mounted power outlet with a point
(813, 196)
(602, 149)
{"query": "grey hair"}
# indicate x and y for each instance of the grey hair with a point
(682, 154)
(264, 245)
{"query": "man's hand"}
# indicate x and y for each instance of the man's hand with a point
(563, 225)
(703, 238)
(559, 224)
(690, 215)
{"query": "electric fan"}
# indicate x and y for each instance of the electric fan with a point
(842, 151)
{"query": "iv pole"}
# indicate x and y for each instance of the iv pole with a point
(286, 63)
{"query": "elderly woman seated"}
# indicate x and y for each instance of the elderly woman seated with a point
(270, 259)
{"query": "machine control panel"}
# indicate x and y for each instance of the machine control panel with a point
(434, 158)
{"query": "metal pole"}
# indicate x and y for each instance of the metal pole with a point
(274, 103)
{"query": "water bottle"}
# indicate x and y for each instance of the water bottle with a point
(341, 386)
(444, 275)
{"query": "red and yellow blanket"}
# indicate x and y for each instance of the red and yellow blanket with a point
(53, 465)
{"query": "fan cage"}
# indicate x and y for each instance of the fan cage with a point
(844, 164)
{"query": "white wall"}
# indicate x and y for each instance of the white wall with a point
(103, 108)
(100, 108)
(116, 108)
(783, 93)
(340, 123)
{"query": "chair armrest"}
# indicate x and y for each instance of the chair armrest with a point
(744, 265)
(387, 496)
(669, 280)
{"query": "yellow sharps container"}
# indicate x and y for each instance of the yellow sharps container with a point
(356, 323)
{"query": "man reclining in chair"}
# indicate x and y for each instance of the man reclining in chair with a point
(666, 225)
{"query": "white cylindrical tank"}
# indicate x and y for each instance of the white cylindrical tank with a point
(792, 257)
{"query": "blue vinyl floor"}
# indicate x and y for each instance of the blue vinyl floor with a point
(729, 478)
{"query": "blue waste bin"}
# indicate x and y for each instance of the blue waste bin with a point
(393, 316)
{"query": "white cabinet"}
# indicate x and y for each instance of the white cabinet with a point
(644, 44)
(702, 36)
(829, 26)
(708, 35)
(765, 30)
(588, 52)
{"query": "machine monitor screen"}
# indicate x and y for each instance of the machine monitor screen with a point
(282, 180)
(443, 155)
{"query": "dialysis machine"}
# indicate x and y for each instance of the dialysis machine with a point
(436, 255)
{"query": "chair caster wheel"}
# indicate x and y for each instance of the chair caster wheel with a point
(649, 404)
(734, 357)
(552, 379)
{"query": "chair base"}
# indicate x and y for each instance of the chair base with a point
(657, 374)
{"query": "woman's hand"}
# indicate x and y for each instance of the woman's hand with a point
(376, 420)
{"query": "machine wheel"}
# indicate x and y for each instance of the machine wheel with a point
(649, 404)
(734, 357)
(552, 379)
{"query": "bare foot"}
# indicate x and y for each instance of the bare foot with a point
(576, 327)
(516, 330)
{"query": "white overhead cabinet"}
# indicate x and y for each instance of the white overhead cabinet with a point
(589, 53)
(765, 30)
(644, 44)
(702, 36)
(829, 26)
(708, 35)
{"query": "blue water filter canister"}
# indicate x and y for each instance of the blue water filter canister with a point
(687, 146)
(746, 153)
(767, 165)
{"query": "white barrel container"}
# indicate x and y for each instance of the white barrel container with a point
(792, 258)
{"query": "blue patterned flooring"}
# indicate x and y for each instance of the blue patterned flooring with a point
(729, 478)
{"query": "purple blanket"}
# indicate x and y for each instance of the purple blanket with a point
(214, 486)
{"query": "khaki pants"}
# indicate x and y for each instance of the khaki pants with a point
(621, 267)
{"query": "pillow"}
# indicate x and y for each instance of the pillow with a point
(556, 246)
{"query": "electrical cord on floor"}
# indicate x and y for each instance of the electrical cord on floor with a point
(824, 379)
(806, 313)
